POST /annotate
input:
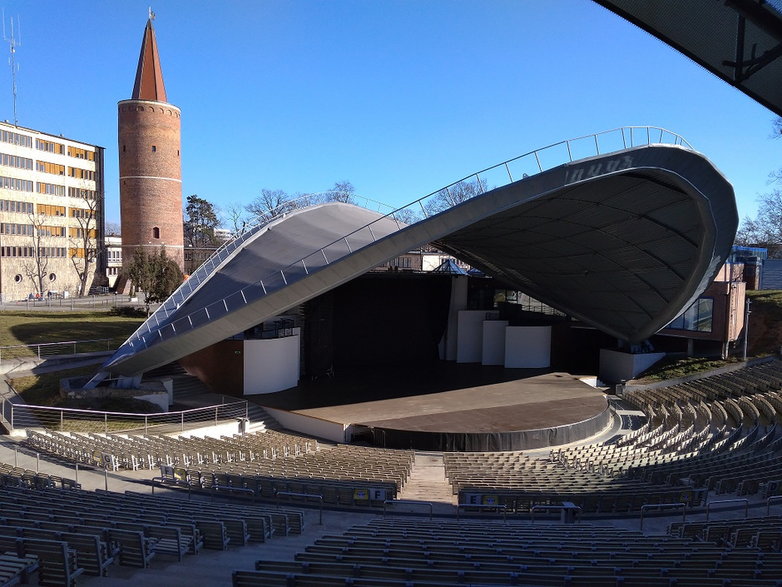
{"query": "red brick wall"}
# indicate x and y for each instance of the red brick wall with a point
(150, 172)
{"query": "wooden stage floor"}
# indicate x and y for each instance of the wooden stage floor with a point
(445, 398)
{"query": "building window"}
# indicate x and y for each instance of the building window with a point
(46, 167)
(81, 213)
(13, 183)
(15, 138)
(52, 277)
(80, 173)
(81, 153)
(16, 161)
(49, 146)
(696, 318)
(156, 232)
(51, 231)
(82, 193)
(18, 278)
(50, 210)
(51, 189)
(154, 149)
(16, 229)
(14, 206)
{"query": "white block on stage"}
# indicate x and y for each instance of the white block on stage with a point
(469, 337)
(271, 364)
(527, 347)
(494, 342)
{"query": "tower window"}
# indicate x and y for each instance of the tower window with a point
(154, 148)
(156, 232)
(123, 148)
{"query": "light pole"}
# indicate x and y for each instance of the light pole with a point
(747, 312)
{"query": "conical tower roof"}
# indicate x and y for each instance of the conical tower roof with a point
(149, 75)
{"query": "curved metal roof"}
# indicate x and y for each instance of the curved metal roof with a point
(624, 241)
(740, 41)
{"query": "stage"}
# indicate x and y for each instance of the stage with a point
(445, 407)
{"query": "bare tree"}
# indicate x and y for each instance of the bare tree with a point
(83, 240)
(343, 191)
(455, 194)
(765, 230)
(113, 229)
(37, 268)
(407, 216)
(269, 204)
(235, 216)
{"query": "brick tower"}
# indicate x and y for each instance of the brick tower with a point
(150, 170)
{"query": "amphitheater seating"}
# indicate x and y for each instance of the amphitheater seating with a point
(405, 552)
(764, 534)
(101, 528)
(342, 475)
(720, 433)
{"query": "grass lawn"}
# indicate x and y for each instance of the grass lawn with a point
(20, 328)
(675, 368)
(44, 389)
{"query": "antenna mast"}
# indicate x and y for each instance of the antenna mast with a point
(12, 44)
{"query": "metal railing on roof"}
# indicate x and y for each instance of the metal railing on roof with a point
(499, 175)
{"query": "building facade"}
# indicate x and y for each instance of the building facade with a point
(113, 259)
(150, 169)
(51, 214)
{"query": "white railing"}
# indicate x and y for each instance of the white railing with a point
(49, 349)
(504, 173)
(74, 420)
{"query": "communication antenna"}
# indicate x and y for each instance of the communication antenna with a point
(12, 45)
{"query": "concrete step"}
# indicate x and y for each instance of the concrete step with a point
(260, 419)
(427, 481)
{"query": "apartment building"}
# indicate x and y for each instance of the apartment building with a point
(51, 214)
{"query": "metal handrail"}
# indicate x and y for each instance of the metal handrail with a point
(657, 506)
(498, 507)
(768, 503)
(163, 481)
(154, 419)
(317, 496)
(71, 344)
(231, 489)
(743, 500)
(560, 508)
(409, 502)
(628, 140)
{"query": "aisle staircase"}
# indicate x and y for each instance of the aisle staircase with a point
(427, 481)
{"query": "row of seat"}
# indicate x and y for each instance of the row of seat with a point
(78, 532)
(413, 552)
(755, 533)
(125, 451)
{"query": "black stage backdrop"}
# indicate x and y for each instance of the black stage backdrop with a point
(378, 319)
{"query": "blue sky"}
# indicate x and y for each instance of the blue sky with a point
(400, 97)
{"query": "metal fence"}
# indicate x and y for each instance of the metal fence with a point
(73, 420)
(55, 303)
(158, 327)
(49, 349)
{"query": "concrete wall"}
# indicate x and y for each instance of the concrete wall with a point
(616, 366)
(271, 365)
(317, 427)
